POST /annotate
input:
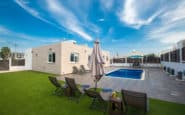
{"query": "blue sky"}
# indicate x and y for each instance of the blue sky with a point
(121, 25)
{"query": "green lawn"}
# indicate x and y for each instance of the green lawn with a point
(30, 93)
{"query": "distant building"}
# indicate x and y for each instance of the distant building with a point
(60, 58)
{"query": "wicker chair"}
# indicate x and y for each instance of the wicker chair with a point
(97, 101)
(59, 88)
(75, 92)
(135, 99)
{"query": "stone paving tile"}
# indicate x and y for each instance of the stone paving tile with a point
(157, 84)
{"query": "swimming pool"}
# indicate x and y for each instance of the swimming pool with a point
(127, 73)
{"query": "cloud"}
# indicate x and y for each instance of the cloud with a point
(166, 37)
(101, 20)
(30, 10)
(8, 34)
(130, 14)
(3, 30)
(93, 28)
(73, 25)
(110, 31)
(2, 41)
(175, 14)
(37, 38)
(107, 4)
(172, 25)
(25, 5)
(66, 18)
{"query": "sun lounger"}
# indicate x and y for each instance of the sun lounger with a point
(97, 101)
(59, 88)
(75, 92)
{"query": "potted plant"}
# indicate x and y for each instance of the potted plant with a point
(172, 72)
(184, 74)
(164, 68)
(168, 70)
(179, 75)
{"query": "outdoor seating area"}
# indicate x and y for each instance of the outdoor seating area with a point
(102, 101)
(36, 97)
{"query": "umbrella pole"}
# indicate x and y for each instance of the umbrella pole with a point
(95, 85)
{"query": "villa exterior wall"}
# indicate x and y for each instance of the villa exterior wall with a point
(63, 64)
(67, 49)
(40, 59)
(84, 53)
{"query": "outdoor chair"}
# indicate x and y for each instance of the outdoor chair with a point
(83, 70)
(75, 92)
(59, 88)
(97, 101)
(75, 70)
(78, 71)
(135, 99)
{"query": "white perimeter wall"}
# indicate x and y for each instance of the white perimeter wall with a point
(28, 59)
(130, 65)
(176, 66)
(28, 62)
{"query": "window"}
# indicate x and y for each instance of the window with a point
(183, 54)
(74, 57)
(162, 57)
(166, 57)
(175, 55)
(51, 57)
(107, 58)
(89, 58)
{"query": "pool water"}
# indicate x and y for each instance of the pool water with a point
(126, 73)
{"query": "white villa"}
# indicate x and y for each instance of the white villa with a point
(60, 58)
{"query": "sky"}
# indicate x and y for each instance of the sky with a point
(149, 26)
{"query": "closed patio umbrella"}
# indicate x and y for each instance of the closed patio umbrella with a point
(96, 63)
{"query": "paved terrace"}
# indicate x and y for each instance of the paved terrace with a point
(157, 84)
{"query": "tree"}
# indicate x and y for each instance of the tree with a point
(5, 53)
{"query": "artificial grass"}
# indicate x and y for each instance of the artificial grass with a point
(30, 93)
